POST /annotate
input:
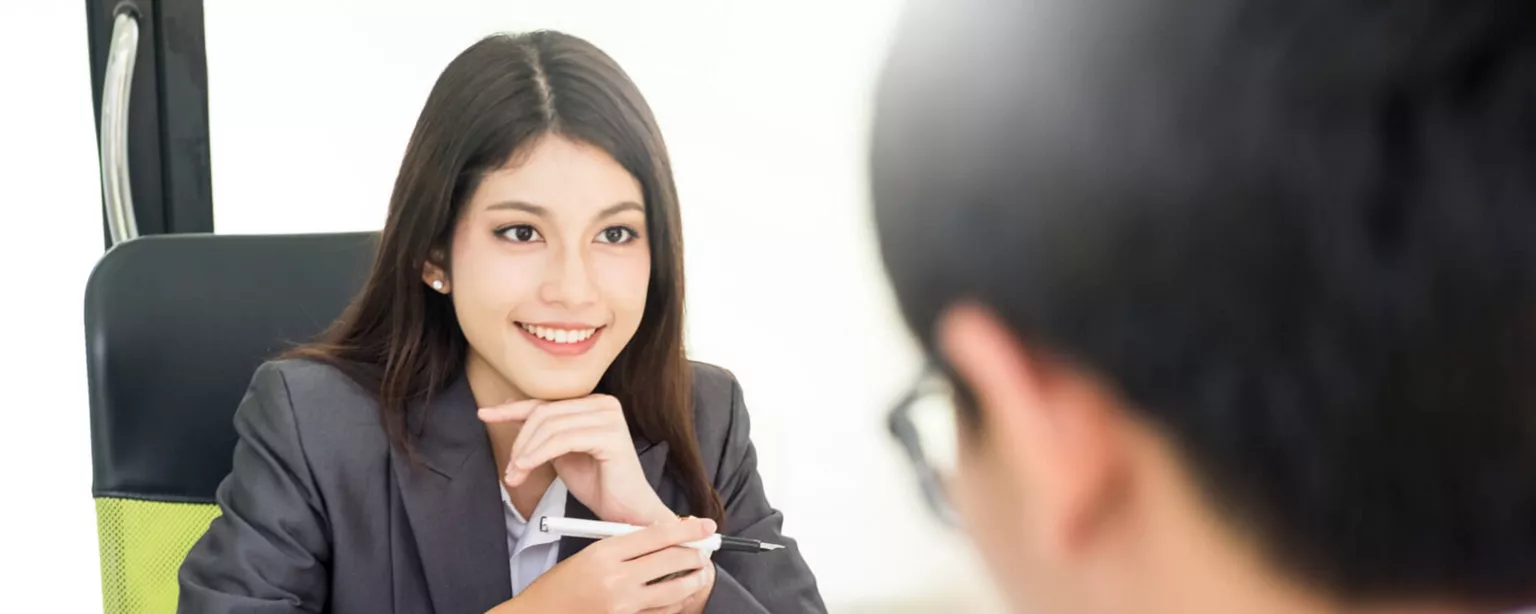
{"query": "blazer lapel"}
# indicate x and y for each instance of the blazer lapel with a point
(653, 459)
(453, 505)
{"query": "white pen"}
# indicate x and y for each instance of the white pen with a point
(597, 529)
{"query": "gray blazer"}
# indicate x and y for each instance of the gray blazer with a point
(322, 514)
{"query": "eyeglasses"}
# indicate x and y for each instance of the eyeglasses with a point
(924, 423)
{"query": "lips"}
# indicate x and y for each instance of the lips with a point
(559, 335)
(562, 339)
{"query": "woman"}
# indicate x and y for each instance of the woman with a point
(523, 319)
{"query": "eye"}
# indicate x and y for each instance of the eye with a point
(521, 233)
(617, 235)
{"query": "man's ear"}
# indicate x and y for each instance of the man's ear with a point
(1048, 423)
(434, 272)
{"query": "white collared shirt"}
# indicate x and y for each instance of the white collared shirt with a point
(533, 551)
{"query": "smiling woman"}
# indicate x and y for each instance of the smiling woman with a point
(523, 318)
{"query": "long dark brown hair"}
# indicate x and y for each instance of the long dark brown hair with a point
(403, 341)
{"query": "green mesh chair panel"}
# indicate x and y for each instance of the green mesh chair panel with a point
(142, 546)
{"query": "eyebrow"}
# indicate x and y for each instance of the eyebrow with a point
(517, 205)
(627, 205)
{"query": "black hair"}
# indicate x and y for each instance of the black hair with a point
(1297, 235)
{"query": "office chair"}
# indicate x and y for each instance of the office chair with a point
(175, 326)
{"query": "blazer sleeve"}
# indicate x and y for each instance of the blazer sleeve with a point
(268, 550)
(777, 582)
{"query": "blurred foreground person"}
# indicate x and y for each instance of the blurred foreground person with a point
(1231, 305)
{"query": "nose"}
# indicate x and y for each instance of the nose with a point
(568, 280)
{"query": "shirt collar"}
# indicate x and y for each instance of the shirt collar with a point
(551, 505)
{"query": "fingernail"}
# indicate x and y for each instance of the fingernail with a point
(709, 526)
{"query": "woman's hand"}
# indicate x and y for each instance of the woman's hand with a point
(618, 575)
(589, 445)
(695, 602)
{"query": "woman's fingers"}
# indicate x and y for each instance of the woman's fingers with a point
(522, 410)
(544, 421)
(659, 567)
(674, 592)
(548, 412)
(509, 412)
(705, 576)
(536, 436)
(558, 436)
(586, 441)
(535, 418)
(658, 537)
(663, 573)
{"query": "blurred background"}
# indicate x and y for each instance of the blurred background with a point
(765, 107)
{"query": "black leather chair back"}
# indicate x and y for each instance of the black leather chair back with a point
(176, 325)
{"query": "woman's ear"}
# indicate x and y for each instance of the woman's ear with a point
(434, 273)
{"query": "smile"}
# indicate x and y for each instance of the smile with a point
(561, 340)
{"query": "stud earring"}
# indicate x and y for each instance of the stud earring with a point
(437, 284)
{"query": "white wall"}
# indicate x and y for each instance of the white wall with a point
(51, 199)
(764, 106)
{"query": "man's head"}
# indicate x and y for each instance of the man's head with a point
(1233, 287)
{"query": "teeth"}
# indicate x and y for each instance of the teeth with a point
(559, 335)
